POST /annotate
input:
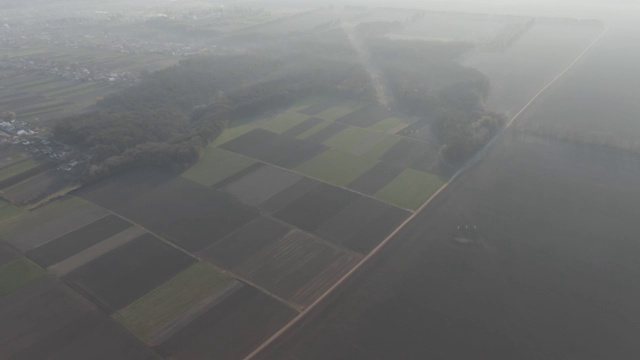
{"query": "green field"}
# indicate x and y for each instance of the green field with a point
(9, 211)
(336, 112)
(71, 90)
(174, 298)
(410, 189)
(17, 274)
(48, 109)
(362, 142)
(314, 129)
(17, 169)
(283, 121)
(391, 125)
(216, 165)
(42, 215)
(52, 84)
(337, 167)
(232, 132)
(39, 81)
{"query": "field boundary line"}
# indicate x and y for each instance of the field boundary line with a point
(295, 172)
(197, 257)
(380, 246)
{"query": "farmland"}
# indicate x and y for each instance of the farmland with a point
(280, 236)
(284, 175)
(45, 97)
(45, 224)
(336, 142)
(196, 286)
(411, 189)
(18, 273)
(554, 255)
(29, 180)
(48, 319)
(125, 274)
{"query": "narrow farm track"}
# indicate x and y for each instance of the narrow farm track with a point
(383, 244)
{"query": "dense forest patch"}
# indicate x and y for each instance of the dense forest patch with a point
(170, 116)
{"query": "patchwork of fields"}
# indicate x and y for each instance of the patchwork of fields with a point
(34, 95)
(148, 265)
(350, 145)
(25, 180)
(214, 261)
(38, 94)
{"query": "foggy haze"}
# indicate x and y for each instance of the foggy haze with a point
(316, 180)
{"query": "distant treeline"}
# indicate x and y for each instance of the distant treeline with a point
(427, 81)
(171, 115)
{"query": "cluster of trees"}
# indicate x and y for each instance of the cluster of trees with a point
(159, 121)
(171, 115)
(427, 81)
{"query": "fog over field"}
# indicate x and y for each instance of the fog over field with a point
(304, 179)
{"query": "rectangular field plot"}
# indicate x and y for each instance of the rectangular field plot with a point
(283, 122)
(303, 127)
(319, 106)
(128, 272)
(231, 133)
(315, 207)
(363, 224)
(319, 126)
(88, 255)
(22, 170)
(366, 116)
(336, 112)
(298, 267)
(244, 243)
(18, 273)
(10, 156)
(36, 187)
(75, 241)
(324, 133)
(392, 125)
(337, 167)
(408, 152)
(169, 305)
(7, 253)
(216, 165)
(186, 213)
(376, 178)
(275, 149)
(262, 184)
(289, 195)
(229, 330)
(49, 222)
(50, 321)
(362, 142)
(411, 189)
(9, 211)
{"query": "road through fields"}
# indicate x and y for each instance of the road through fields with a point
(386, 241)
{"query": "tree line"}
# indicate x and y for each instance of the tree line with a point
(167, 119)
